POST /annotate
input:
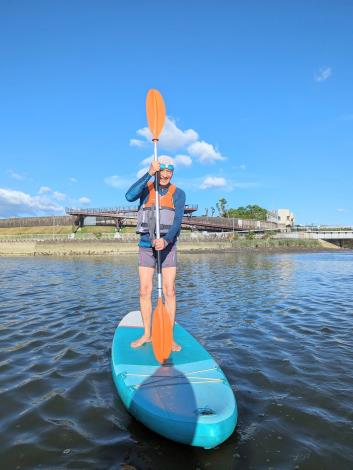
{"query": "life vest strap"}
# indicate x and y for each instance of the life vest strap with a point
(166, 200)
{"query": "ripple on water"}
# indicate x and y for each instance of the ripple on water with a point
(279, 325)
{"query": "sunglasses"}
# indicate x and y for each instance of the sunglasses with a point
(163, 166)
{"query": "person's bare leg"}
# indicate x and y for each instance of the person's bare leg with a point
(169, 296)
(146, 280)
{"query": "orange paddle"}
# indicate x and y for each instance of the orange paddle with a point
(162, 328)
(155, 110)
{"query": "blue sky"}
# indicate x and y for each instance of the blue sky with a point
(259, 99)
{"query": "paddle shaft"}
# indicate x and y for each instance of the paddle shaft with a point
(159, 270)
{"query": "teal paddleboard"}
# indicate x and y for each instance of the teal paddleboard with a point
(188, 399)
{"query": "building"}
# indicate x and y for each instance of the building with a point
(286, 217)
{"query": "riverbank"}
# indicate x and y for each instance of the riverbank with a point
(111, 247)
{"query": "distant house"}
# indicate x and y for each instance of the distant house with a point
(281, 216)
(286, 217)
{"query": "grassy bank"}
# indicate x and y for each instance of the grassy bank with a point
(266, 244)
(47, 230)
(113, 247)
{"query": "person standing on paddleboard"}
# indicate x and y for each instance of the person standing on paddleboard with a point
(172, 203)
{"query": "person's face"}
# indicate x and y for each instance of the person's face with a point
(165, 176)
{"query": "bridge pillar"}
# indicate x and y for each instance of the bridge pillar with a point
(78, 222)
(119, 223)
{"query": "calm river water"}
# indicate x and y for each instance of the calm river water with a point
(280, 325)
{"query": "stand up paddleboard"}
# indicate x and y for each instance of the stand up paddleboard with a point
(188, 399)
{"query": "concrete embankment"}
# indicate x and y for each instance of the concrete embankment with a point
(116, 247)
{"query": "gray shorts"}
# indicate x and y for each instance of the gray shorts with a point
(148, 257)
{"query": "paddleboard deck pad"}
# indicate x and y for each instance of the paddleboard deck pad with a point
(188, 399)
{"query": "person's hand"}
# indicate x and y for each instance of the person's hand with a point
(154, 167)
(159, 244)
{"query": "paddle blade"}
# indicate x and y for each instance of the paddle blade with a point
(162, 333)
(155, 110)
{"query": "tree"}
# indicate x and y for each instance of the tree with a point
(221, 207)
(212, 211)
(253, 211)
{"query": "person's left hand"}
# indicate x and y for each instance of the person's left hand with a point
(159, 244)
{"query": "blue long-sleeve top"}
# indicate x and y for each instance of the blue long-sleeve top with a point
(139, 190)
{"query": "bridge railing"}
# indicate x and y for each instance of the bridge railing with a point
(116, 210)
(321, 228)
(232, 223)
(318, 235)
(100, 210)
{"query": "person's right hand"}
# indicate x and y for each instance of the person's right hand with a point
(154, 167)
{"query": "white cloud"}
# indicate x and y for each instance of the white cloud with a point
(147, 160)
(84, 200)
(116, 181)
(16, 176)
(72, 179)
(204, 152)
(144, 132)
(183, 160)
(242, 167)
(171, 138)
(208, 182)
(137, 143)
(59, 196)
(44, 190)
(213, 182)
(341, 210)
(142, 172)
(17, 203)
(54, 194)
(323, 74)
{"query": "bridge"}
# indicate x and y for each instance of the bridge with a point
(342, 238)
(319, 235)
(126, 216)
(116, 216)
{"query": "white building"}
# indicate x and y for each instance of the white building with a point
(281, 216)
(285, 217)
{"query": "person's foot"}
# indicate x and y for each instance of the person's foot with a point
(141, 341)
(176, 347)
